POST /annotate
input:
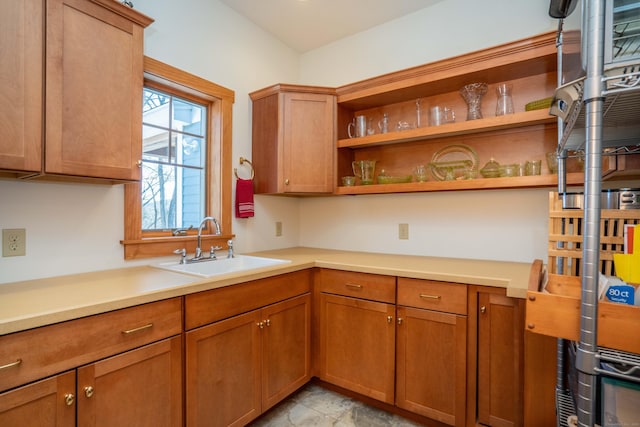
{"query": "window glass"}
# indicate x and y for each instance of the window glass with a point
(173, 161)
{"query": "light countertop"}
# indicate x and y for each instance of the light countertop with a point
(33, 303)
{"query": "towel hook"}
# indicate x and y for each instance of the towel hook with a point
(242, 161)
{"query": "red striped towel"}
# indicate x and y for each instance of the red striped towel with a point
(244, 198)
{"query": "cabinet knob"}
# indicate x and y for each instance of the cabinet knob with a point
(286, 181)
(483, 309)
(88, 391)
(531, 325)
(267, 322)
(399, 320)
(68, 399)
(260, 325)
(389, 319)
(139, 163)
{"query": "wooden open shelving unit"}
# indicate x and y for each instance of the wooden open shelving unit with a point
(529, 65)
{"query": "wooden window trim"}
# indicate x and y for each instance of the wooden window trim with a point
(218, 202)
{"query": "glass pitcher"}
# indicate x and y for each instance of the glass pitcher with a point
(364, 169)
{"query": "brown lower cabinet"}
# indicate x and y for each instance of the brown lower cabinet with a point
(118, 368)
(511, 380)
(453, 354)
(358, 345)
(431, 349)
(247, 347)
(45, 403)
(412, 355)
(239, 367)
(457, 352)
(141, 387)
(500, 360)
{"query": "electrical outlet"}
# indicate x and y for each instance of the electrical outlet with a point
(278, 228)
(403, 231)
(14, 241)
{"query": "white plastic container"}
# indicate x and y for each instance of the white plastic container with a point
(620, 403)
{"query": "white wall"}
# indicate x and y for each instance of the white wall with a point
(448, 28)
(74, 228)
(508, 225)
(503, 225)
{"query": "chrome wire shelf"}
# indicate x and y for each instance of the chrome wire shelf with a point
(620, 111)
(625, 32)
(619, 364)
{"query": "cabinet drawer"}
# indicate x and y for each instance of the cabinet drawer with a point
(37, 353)
(217, 304)
(358, 285)
(440, 296)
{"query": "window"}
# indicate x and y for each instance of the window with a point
(186, 164)
(174, 161)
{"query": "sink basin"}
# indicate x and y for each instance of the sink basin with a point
(237, 264)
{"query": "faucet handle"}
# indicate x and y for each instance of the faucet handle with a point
(183, 255)
(212, 251)
(230, 246)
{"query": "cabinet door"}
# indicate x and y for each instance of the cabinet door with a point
(46, 403)
(431, 364)
(21, 91)
(500, 360)
(142, 387)
(357, 345)
(94, 75)
(223, 372)
(308, 143)
(286, 346)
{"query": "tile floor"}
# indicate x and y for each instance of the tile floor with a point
(313, 405)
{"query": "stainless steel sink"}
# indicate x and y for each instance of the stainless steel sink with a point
(237, 264)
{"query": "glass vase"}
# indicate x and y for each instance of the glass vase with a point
(504, 104)
(472, 95)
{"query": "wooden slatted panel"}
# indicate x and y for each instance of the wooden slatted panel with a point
(565, 237)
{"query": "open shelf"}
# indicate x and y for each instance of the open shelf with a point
(526, 118)
(548, 180)
(407, 97)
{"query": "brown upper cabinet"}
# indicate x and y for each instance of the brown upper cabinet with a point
(84, 57)
(294, 139)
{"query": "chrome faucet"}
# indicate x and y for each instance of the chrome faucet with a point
(198, 254)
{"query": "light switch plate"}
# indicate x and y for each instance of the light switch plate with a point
(14, 242)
